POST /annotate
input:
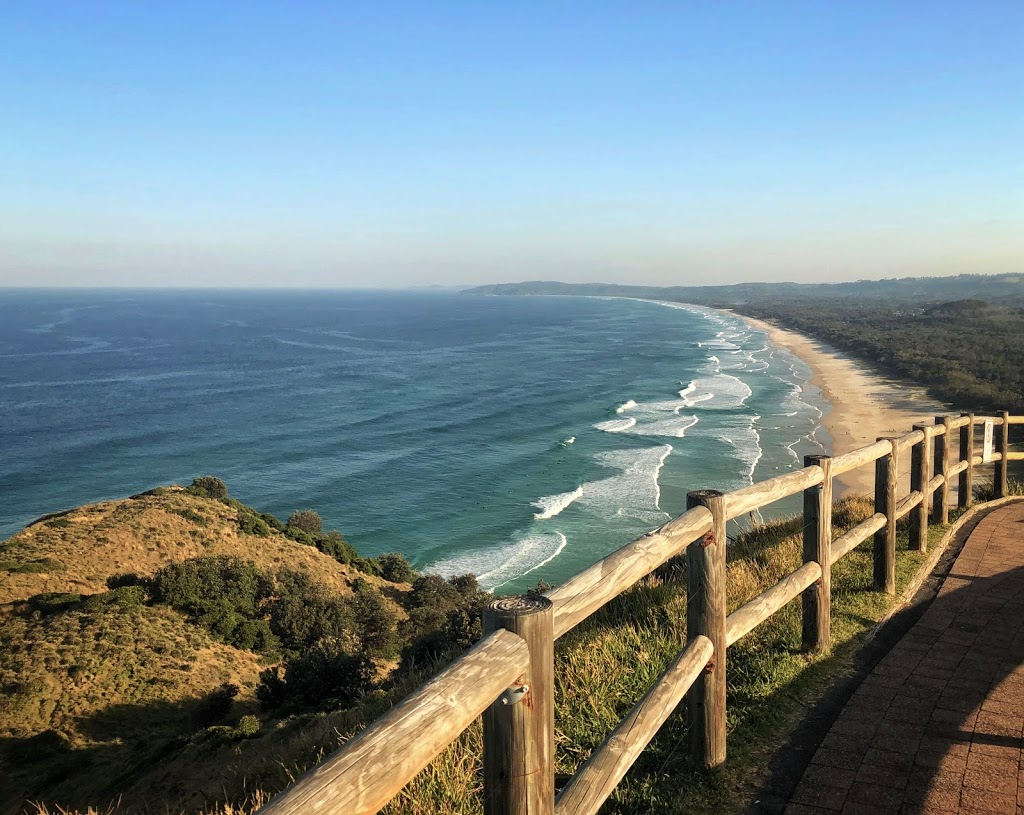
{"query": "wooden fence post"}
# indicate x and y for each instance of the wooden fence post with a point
(705, 614)
(965, 487)
(817, 599)
(885, 503)
(519, 728)
(943, 449)
(920, 475)
(1002, 444)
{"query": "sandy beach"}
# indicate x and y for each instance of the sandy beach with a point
(860, 404)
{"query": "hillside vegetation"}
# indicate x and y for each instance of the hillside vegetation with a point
(143, 640)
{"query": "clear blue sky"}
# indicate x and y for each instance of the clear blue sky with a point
(350, 144)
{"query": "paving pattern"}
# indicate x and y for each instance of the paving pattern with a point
(936, 727)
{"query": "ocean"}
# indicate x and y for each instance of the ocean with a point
(519, 438)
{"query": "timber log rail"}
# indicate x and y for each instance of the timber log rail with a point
(508, 677)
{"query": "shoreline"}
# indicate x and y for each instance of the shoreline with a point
(860, 403)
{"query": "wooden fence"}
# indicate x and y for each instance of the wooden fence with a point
(508, 677)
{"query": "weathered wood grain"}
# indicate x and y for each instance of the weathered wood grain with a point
(920, 472)
(705, 616)
(884, 550)
(859, 457)
(1002, 447)
(747, 499)
(817, 597)
(943, 450)
(908, 502)
(519, 739)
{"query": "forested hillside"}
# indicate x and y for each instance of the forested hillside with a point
(961, 337)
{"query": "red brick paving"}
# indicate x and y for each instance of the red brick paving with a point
(936, 728)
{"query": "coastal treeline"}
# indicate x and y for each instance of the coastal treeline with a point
(968, 353)
(961, 337)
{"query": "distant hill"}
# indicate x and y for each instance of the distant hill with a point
(1007, 289)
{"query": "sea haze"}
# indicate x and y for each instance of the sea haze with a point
(520, 438)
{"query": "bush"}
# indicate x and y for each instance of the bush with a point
(41, 566)
(444, 615)
(51, 602)
(248, 726)
(209, 486)
(252, 524)
(337, 547)
(300, 537)
(117, 581)
(306, 520)
(216, 705)
(304, 611)
(123, 598)
(271, 690)
(367, 565)
(272, 521)
(329, 670)
(396, 568)
(376, 622)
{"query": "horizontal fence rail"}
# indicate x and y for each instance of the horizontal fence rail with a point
(514, 660)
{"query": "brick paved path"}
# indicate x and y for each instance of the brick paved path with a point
(936, 727)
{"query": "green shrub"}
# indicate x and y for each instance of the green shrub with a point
(367, 565)
(396, 568)
(443, 615)
(51, 602)
(248, 726)
(41, 566)
(375, 621)
(209, 486)
(59, 523)
(193, 516)
(307, 520)
(337, 547)
(301, 537)
(272, 521)
(329, 670)
(304, 611)
(116, 581)
(271, 690)
(252, 524)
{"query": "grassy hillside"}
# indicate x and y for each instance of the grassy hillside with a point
(602, 668)
(142, 641)
(76, 551)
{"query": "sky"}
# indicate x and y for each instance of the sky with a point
(391, 144)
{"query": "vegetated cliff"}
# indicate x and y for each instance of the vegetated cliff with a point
(143, 640)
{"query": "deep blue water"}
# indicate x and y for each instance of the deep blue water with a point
(490, 434)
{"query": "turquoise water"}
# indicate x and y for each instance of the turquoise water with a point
(521, 438)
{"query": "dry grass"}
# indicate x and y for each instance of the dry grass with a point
(602, 669)
(86, 545)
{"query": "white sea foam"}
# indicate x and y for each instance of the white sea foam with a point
(552, 505)
(674, 427)
(718, 392)
(632, 493)
(615, 425)
(625, 406)
(570, 440)
(496, 566)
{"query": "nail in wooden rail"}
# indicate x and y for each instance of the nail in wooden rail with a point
(1002, 444)
(817, 600)
(519, 735)
(885, 503)
(705, 616)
